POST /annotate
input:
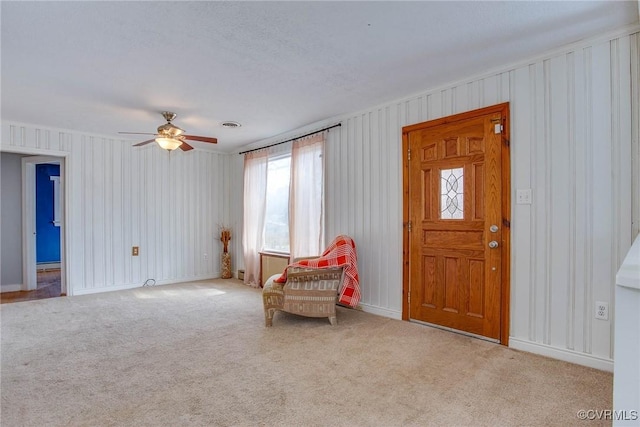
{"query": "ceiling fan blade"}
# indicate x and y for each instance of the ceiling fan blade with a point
(136, 133)
(185, 147)
(201, 138)
(144, 143)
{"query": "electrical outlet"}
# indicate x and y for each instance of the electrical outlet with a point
(134, 251)
(523, 197)
(602, 310)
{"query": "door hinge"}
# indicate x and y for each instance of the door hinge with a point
(409, 226)
(409, 297)
(409, 154)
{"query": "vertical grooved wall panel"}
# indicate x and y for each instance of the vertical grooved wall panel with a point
(635, 133)
(119, 196)
(570, 144)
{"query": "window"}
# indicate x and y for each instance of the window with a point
(452, 193)
(56, 200)
(276, 224)
(283, 202)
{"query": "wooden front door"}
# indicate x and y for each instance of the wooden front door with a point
(457, 222)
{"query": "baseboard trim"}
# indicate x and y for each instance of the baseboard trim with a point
(10, 288)
(519, 344)
(89, 291)
(562, 354)
(381, 311)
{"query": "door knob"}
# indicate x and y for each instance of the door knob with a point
(493, 244)
(494, 228)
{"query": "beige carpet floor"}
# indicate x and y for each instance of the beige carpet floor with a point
(198, 354)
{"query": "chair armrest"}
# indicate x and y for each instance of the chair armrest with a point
(304, 273)
(305, 257)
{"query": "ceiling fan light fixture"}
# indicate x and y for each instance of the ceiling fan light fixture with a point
(168, 144)
(170, 136)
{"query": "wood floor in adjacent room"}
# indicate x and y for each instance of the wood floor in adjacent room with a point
(48, 287)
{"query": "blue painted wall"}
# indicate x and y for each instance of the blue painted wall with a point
(47, 234)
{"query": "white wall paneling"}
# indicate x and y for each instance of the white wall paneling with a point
(168, 204)
(635, 133)
(571, 143)
(234, 203)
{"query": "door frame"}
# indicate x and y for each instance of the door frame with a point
(505, 285)
(29, 267)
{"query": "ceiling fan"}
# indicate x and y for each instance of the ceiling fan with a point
(170, 136)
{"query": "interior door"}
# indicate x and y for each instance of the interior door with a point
(456, 223)
(29, 221)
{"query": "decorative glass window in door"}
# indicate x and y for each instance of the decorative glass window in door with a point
(452, 193)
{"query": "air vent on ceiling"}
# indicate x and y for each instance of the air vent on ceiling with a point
(231, 124)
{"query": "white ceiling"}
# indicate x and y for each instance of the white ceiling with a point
(104, 67)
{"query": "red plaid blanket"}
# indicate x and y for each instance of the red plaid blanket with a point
(341, 252)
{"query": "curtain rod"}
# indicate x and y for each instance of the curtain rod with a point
(292, 139)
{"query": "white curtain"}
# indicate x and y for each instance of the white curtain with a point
(255, 197)
(306, 218)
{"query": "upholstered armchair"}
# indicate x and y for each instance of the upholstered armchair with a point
(307, 292)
